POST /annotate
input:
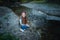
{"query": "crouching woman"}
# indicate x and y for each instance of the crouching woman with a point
(23, 22)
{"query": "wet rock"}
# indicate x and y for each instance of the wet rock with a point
(37, 21)
(10, 23)
(8, 19)
(50, 9)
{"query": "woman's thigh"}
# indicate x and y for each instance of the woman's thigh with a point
(24, 27)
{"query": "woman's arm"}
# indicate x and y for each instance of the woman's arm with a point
(20, 21)
(28, 24)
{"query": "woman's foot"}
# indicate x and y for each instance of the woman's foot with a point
(21, 30)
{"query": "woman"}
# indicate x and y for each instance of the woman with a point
(23, 22)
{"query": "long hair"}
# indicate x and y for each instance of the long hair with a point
(24, 19)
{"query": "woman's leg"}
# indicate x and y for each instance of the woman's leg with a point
(24, 27)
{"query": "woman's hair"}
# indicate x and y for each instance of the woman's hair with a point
(24, 19)
(23, 11)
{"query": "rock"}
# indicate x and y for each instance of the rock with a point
(10, 24)
(37, 21)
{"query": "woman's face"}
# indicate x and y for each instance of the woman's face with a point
(23, 14)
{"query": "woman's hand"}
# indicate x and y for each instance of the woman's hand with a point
(27, 25)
